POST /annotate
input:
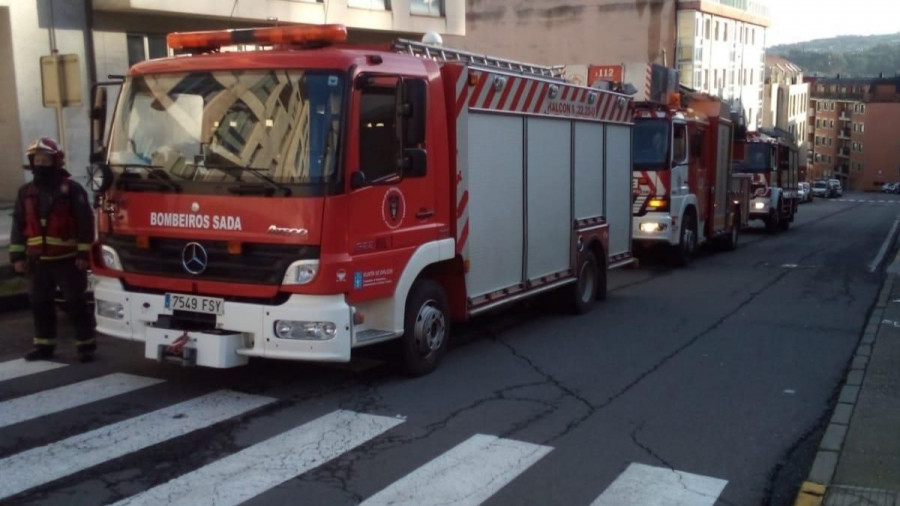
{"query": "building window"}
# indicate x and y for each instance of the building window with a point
(427, 7)
(831, 107)
(862, 108)
(831, 123)
(725, 35)
(146, 47)
(375, 5)
(708, 23)
(862, 128)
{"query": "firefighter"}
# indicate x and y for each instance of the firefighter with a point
(53, 227)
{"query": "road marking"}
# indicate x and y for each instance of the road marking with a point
(252, 471)
(20, 367)
(656, 486)
(885, 246)
(44, 464)
(70, 396)
(468, 474)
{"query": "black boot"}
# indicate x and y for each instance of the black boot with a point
(39, 353)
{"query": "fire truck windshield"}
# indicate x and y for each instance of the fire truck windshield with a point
(651, 144)
(282, 125)
(759, 158)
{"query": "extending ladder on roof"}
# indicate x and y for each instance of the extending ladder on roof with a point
(443, 54)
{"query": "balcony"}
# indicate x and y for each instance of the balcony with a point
(845, 117)
(844, 133)
(843, 169)
(843, 153)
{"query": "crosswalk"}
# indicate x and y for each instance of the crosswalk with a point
(467, 474)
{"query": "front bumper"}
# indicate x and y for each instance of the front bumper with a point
(760, 207)
(243, 330)
(655, 228)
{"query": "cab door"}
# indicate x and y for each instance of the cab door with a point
(391, 191)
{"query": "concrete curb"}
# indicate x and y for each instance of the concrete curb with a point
(812, 491)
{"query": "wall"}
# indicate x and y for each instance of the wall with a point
(881, 151)
(556, 32)
(11, 175)
(30, 22)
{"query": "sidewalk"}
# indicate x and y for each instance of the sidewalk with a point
(858, 462)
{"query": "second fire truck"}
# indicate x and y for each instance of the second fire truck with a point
(684, 193)
(770, 159)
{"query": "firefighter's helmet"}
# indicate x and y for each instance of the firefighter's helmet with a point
(48, 146)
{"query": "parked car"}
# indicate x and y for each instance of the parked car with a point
(804, 191)
(821, 189)
(836, 188)
(888, 187)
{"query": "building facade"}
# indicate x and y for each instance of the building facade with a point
(109, 36)
(717, 45)
(853, 130)
(721, 51)
(786, 102)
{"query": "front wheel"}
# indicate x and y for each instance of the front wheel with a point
(584, 291)
(687, 242)
(426, 328)
(773, 222)
(731, 242)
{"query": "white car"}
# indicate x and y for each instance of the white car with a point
(836, 185)
(804, 192)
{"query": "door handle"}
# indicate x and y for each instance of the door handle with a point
(425, 213)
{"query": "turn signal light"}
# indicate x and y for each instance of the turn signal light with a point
(234, 248)
(142, 242)
(657, 203)
(297, 34)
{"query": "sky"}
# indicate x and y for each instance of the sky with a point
(801, 20)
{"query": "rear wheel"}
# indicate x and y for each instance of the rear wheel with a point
(427, 328)
(584, 291)
(773, 222)
(731, 242)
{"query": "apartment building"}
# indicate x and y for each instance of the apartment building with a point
(786, 101)
(109, 36)
(721, 51)
(717, 45)
(853, 126)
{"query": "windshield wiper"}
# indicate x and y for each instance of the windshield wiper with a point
(228, 169)
(156, 177)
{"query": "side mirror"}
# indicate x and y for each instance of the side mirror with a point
(414, 162)
(100, 177)
(411, 112)
(98, 124)
(358, 180)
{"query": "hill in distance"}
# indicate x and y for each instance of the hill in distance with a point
(848, 55)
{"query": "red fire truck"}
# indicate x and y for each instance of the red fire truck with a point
(684, 192)
(770, 158)
(307, 199)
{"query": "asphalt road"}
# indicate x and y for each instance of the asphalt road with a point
(724, 371)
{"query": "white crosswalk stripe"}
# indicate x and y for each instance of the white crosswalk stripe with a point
(44, 464)
(250, 472)
(468, 474)
(20, 367)
(642, 485)
(70, 396)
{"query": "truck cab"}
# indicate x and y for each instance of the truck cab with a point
(771, 163)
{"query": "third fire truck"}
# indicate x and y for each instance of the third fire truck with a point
(684, 192)
(770, 158)
(301, 201)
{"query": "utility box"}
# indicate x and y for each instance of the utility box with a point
(61, 80)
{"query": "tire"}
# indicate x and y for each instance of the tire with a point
(584, 291)
(784, 224)
(602, 273)
(773, 222)
(427, 328)
(687, 243)
(731, 242)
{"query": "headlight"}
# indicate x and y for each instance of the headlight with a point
(313, 331)
(652, 227)
(759, 206)
(109, 309)
(301, 272)
(110, 258)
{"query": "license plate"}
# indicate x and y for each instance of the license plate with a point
(195, 304)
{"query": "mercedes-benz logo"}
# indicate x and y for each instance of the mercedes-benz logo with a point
(194, 258)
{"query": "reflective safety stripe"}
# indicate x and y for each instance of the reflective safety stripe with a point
(52, 241)
(59, 257)
(34, 241)
(38, 340)
(84, 246)
(85, 343)
(17, 248)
